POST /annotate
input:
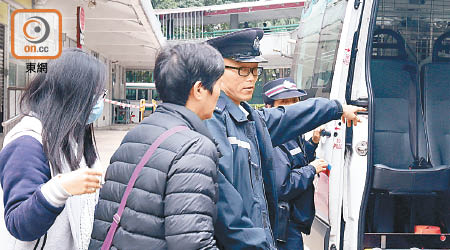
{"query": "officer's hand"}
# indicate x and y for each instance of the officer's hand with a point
(316, 134)
(81, 181)
(349, 114)
(320, 165)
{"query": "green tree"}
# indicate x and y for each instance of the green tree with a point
(164, 4)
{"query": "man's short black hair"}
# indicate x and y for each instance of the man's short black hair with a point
(179, 67)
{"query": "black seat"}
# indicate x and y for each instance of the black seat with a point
(399, 133)
(436, 90)
(436, 94)
(401, 159)
(436, 83)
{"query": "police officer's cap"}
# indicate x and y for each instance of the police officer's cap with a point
(282, 88)
(241, 46)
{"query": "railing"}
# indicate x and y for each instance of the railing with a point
(9, 124)
(210, 34)
(269, 29)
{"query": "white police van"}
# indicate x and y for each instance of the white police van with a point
(389, 182)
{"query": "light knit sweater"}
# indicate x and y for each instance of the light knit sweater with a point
(72, 227)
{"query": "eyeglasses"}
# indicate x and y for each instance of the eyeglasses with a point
(245, 71)
(105, 92)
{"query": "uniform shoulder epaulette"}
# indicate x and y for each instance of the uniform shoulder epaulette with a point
(220, 106)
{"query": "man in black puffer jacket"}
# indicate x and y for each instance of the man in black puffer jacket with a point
(173, 203)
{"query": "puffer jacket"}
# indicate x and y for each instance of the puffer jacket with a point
(173, 203)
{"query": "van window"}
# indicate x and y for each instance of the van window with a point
(419, 23)
(316, 51)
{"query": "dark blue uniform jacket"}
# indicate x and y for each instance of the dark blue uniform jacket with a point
(294, 181)
(246, 179)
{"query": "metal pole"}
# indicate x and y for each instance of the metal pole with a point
(190, 30)
(195, 25)
(202, 13)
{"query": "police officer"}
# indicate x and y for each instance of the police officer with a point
(295, 166)
(246, 138)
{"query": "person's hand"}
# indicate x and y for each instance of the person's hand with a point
(320, 165)
(349, 114)
(81, 181)
(316, 134)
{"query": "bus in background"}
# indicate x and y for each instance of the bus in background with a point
(135, 91)
(389, 184)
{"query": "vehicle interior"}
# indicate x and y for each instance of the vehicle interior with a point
(410, 147)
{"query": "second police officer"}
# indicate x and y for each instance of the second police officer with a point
(246, 138)
(295, 166)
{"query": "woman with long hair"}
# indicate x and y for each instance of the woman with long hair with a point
(48, 162)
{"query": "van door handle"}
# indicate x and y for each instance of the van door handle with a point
(325, 133)
(361, 102)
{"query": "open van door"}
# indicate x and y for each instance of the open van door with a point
(406, 198)
(389, 184)
(321, 67)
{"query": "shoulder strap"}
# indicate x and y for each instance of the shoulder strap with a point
(116, 218)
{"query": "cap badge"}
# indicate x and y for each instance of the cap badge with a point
(289, 85)
(256, 44)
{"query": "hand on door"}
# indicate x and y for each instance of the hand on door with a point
(316, 134)
(320, 165)
(349, 114)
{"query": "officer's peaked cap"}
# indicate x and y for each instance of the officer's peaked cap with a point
(282, 88)
(241, 46)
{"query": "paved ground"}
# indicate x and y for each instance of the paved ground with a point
(108, 140)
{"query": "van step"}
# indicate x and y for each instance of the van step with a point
(406, 241)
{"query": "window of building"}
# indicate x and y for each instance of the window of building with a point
(142, 94)
(131, 94)
(12, 74)
(17, 74)
(139, 76)
(266, 76)
(155, 95)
